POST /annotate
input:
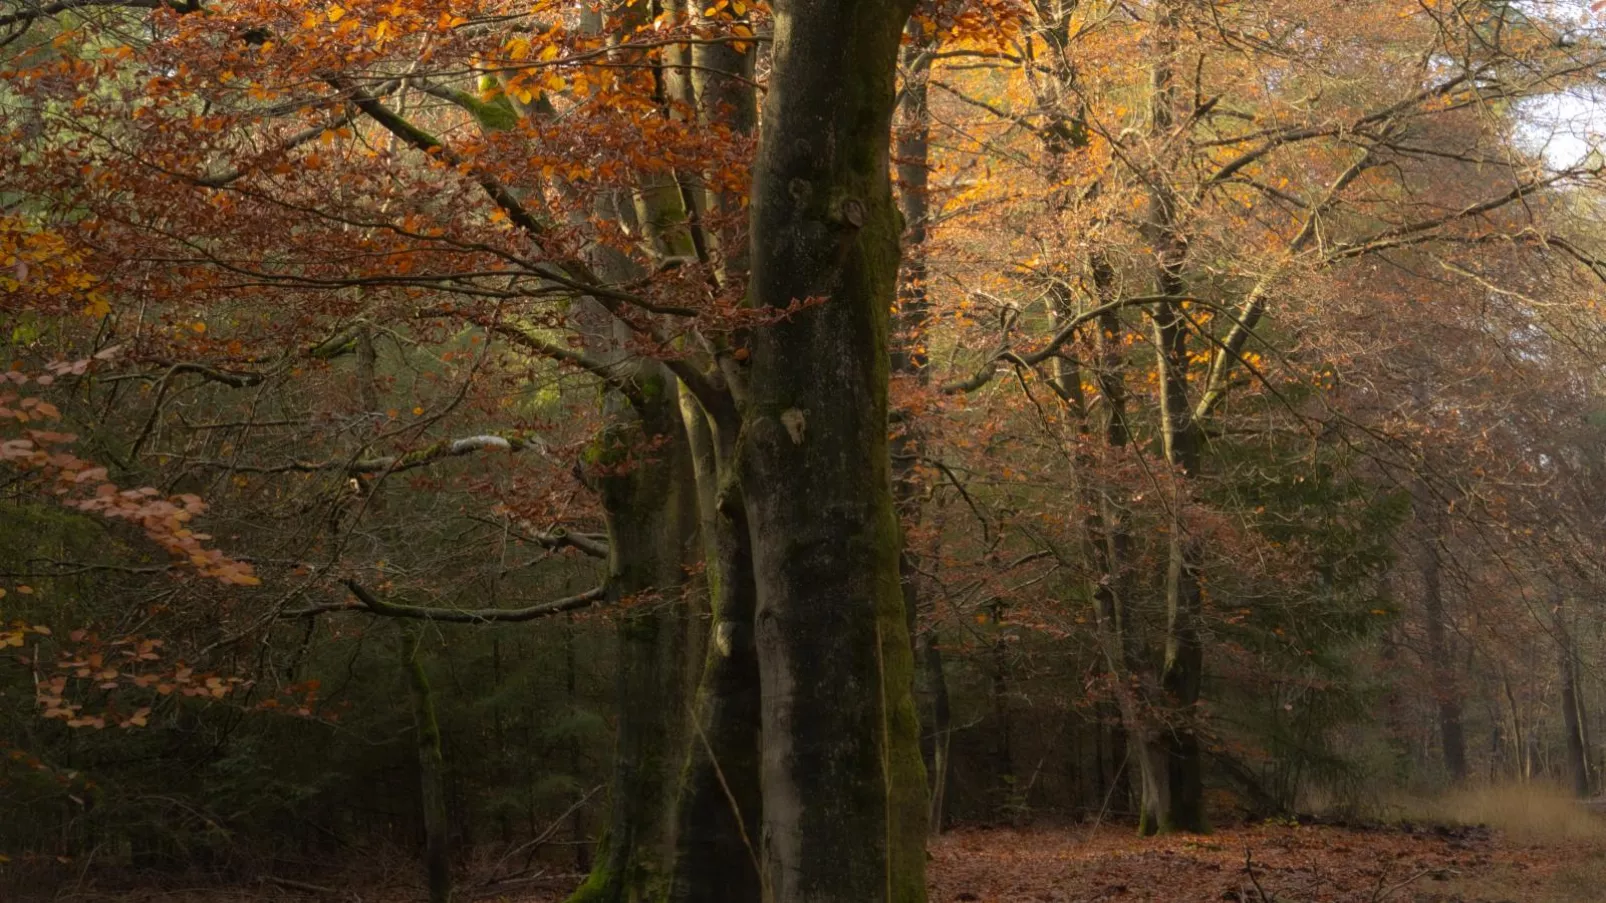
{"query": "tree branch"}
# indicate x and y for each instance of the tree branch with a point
(985, 375)
(368, 602)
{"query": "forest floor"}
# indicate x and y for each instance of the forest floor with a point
(1266, 863)
(1274, 863)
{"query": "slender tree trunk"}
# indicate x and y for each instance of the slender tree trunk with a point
(843, 784)
(1447, 695)
(940, 729)
(718, 808)
(1001, 764)
(1518, 739)
(577, 828)
(431, 770)
(912, 164)
(718, 811)
(1577, 748)
(721, 78)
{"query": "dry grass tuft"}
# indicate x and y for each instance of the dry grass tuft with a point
(1534, 813)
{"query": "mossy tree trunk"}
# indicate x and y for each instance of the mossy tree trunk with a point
(641, 465)
(431, 768)
(843, 785)
(911, 360)
(718, 810)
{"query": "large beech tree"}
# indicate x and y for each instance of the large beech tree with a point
(1211, 355)
(744, 421)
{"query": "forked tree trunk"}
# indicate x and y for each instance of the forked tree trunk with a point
(843, 784)
(1180, 797)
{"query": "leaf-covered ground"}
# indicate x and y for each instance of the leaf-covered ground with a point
(1284, 863)
(1272, 863)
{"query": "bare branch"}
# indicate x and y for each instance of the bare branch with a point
(366, 601)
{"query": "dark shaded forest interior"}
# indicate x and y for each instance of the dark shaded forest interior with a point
(805, 451)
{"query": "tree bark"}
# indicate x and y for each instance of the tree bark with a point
(431, 770)
(642, 467)
(843, 784)
(912, 149)
(1571, 712)
(940, 729)
(716, 852)
(1447, 695)
(1180, 797)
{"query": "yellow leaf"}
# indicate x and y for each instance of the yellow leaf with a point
(417, 412)
(335, 13)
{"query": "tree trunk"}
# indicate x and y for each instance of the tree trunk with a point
(718, 809)
(940, 729)
(431, 770)
(1181, 675)
(716, 852)
(1447, 694)
(1000, 755)
(912, 148)
(642, 464)
(1577, 748)
(843, 784)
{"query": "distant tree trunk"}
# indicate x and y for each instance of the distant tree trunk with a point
(431, 770)
(1447, 695)
(1577, 746)
(843, 784)
(1116, 784)
(1180, 797)
(644, 474)
(1519, 742)
(1001, 758)
(577, 821)
(940, 728)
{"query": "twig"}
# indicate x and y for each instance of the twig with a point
(292, 884)
(1249, 869)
